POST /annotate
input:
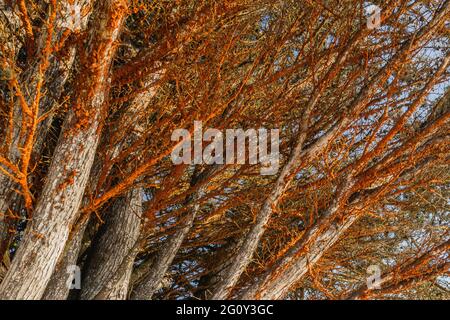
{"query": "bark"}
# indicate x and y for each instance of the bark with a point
(117, 237)
(122, 228)
(58, 283)
(122, 275)
(4, 265)
(10, 30)
(4, 223)
(56, 77)
(305, 253)
(58, 205)
(151, 282)
(9, 26)
(57, 288)
(278, 279)
(56, 210)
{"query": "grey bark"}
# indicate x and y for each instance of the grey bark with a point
(277, 280)
(57, 288)
(244, 254)
(300, 266)
(10, 30)
(149, 283)
(58, 205)
(288, 270)
(152, 281)
(122, 229)
(56, 76)
(118, 237)
(56, 210)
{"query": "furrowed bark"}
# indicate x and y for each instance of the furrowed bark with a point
(58, 205)
(243, 257)
(123, 222)
(118, 237)
(307, 251)
(151, 281)
(4, 225)
(10, 28)
(60, 69)
(123, 272)
(56, 77)
(313, 240)
(364, 158)
(57, 288)
(47, 233)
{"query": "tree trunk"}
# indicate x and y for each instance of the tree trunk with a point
(277, 280)
(58, 205)
(123, 222)
(243, 257)
(56, 210)
(58, 288)
(56, 77)
(280, 284)
(151, 282)
(117, 237)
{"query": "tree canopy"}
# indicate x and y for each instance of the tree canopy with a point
(92, 91)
